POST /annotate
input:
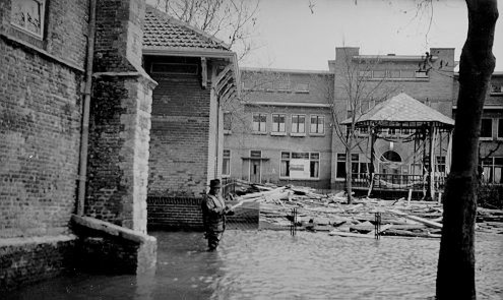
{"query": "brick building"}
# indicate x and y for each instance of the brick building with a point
(280, 132)
(491, 131)
(75, 127)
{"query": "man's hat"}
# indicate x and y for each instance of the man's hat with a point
(215, 183)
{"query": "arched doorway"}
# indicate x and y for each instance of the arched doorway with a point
(391, 166)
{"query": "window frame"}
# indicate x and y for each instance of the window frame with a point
(273, 124)
(318, 117)
(482, 128)
(25, 29)
(228, 159)
(298, 133)
(259, 131)
(313, 157)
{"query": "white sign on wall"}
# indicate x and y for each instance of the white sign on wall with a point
(299, 168)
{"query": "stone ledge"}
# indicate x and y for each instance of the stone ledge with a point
(113, 230)
(22, 241)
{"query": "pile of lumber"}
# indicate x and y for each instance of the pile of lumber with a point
(330, 213)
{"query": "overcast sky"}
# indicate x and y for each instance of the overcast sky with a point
(291, 36)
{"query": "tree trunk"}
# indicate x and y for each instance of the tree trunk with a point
(349, 187)
(456, 264)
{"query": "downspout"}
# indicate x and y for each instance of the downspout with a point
(84, 138)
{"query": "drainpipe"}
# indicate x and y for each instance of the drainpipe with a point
(86, 108)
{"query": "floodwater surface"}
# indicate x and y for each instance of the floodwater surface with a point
(276, 265)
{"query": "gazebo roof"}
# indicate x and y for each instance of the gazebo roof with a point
(402, 109)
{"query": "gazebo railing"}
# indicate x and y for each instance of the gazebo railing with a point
(395, 181)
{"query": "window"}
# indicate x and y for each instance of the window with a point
(341, 165)
(298, 124)
(379, 74)
(278, 123)
(486, 128)
(496, 89)
(358, 168)
(493, 167)
(285, 164)
(226, 163)
(500, 128)
(29, 15)
(317, 124)
(227, 121)
(441, 164)
(302, 88)
(300, 165)
(259, 122)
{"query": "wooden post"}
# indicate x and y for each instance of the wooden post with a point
(431, 179)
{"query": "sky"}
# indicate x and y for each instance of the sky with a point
(289, 35)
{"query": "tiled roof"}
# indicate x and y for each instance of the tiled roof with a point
(162, 32)
(403, 108)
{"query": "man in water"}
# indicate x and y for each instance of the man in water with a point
(214, 214)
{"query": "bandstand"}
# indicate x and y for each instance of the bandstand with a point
(408, 146)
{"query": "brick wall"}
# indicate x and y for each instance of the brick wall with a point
(27, 260)
(178, 162)
(40, 113)
(177, 213)
(118, 151)
(174, 213)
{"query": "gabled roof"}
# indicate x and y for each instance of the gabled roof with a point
(163, 33)
(403, 109)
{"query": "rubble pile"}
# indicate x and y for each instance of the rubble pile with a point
(283, 206)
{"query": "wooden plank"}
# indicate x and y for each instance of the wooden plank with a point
(417, 219)
(349, 234)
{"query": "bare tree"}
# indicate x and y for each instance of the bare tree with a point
(360, 95)
(456, 263)
(232, 21)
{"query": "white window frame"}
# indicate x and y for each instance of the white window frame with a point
(309, 154)
(298, 133)
(275, 130)
(317, 132)
(487, 138)
(260, 130)
(17, 7)
(228, 158)
(499, 133)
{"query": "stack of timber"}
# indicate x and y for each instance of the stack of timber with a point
(329, 212)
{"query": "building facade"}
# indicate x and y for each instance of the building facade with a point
(280, 132)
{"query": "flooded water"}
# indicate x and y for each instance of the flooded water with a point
(275, 265)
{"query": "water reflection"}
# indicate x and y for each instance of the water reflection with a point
(275, 265)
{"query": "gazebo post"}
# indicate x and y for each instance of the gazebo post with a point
(431, 190)
(371, 166)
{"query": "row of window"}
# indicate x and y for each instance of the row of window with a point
(298, 123)
(393, 74)
(293, 165)
(487, 129)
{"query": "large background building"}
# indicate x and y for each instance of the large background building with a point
(272, 135)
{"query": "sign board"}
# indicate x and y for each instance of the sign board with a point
(299, 169)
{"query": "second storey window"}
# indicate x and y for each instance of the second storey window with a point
(298, 124)
(259, 122)
(317, 124)
(29, 15)
(486, 128)
(278, 123)
(226, 163)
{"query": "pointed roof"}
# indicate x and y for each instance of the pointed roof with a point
(403, 109)
(163, 33)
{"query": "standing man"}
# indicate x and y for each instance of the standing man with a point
(214, 214)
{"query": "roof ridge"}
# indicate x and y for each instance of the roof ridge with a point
(169, 18)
